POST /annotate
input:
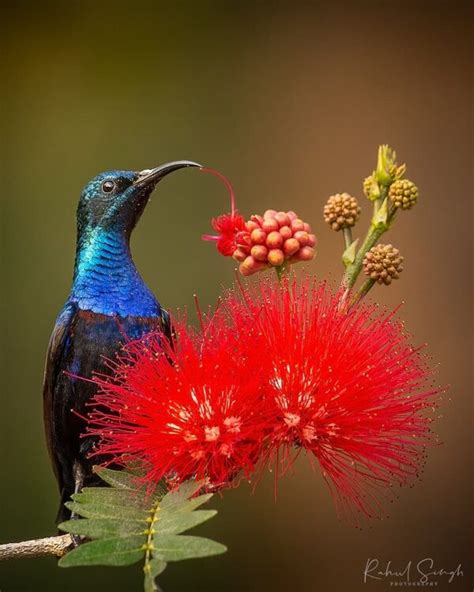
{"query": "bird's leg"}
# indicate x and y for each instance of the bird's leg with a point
(78, 472)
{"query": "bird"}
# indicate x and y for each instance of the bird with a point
(108, 304)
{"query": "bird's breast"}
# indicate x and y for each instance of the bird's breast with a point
(96, 338)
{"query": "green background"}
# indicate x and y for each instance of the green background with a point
(290, 100)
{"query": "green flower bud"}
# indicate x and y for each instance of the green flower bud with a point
(371, 188)
(403, 194)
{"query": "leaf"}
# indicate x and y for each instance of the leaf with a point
(174, 547)
(176, 524)
(349, 254)
(118, 479)
(125, 523)
(116, 551)
(380, 218)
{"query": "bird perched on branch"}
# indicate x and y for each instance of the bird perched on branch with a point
(108, 304)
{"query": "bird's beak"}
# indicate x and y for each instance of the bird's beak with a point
(152, 176)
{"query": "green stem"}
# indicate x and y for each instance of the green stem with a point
(374, 233)
(347, 233)
(280, 271)
(363, 290)
(353, 270)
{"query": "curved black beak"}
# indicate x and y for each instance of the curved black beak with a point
(152, 176)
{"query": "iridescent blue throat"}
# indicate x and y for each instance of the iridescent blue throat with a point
(106, 280)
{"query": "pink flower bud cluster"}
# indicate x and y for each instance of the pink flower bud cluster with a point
(272, 240)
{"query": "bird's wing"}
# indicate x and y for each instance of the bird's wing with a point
(56, 347)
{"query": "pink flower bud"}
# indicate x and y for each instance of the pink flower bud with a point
(259, 252)
(302, 237)
(286, 232)
(251, 225)
(311, 240)
(258, 236)
(239, 255)
(276, 257)
(282, 219)
(307, 228)
(304, 254)
(250, 266)
(257, 219)
(292, 215)
(297, 224)
(290, 247)
(269, 213)
(274, 240)
(270, 224)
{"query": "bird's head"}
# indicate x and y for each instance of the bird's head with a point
(115, 200)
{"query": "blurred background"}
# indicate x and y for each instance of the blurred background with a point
(290, 100)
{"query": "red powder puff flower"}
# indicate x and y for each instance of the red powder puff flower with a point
(231, 227)
(191, 410)
(346, 386)
(276, 239)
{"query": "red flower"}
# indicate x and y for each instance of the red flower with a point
(275, 239)
(231, 227)
(191, 410)
(347, 387)
(277, 370)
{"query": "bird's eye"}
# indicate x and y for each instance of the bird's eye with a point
(108, 186)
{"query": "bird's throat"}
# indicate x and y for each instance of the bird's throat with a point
(106, 280)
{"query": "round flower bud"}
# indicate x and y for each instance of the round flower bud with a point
(250, 266)
(403, 194)
(291, 246)
(274, 240)
(269, 213)
(286, 232)
(305, 254)
(297, 224)
(307, 228)
(282, 219)
(341, 211)
(302, 237)
(311, 240)
(270, 224)
(251, 225)
(292, 215)
(239, 255)
(276, 257)
(383, 263)
(257, 219)
(258, 236)
(259, 252)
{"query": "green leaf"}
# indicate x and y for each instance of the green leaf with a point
(118, 479)
(105, 511)
(176, 524)
(182, 494)
(380, 218)
(178, 547)
(349, 254)
(104, 527)
(126, 523)
(117, 551)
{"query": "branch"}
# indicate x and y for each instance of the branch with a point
(55, 545)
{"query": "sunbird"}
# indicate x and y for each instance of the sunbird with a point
(109, 303)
